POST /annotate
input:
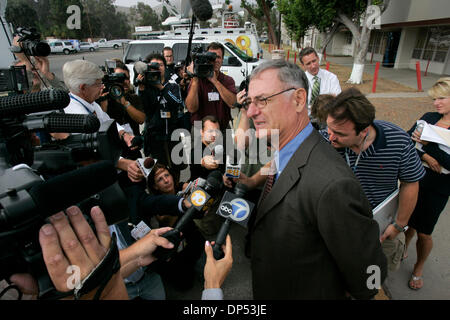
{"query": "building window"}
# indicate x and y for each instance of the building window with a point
(348, 38)
(432, 44)
(377, 42)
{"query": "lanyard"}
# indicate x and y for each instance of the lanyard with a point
(359, 155)
(87, 109)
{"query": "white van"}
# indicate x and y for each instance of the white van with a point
(236, 63)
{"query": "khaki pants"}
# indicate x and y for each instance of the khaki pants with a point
(394, 250)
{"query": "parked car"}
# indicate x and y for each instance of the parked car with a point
(87, 46)
(61, 46)
(116, 44)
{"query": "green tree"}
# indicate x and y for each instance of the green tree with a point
(262, 12)
(22, 14)
(328, 16)
(145, 16)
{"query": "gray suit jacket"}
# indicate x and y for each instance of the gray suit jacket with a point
(314, 236)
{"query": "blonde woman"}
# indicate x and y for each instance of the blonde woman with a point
(434, 188)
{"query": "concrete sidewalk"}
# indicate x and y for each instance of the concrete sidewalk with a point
(405, 77)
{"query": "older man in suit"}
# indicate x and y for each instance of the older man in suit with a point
(313, 236)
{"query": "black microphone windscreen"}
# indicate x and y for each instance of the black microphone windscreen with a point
(202, 9)
(72, 187)
(241, 190)
(33, 102)
(77, 123)
(214, 180)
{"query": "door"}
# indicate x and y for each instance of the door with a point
(393, 39)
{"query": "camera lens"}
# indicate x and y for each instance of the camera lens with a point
(116, 92)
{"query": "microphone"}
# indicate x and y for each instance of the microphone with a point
(33, 102)
(140, 67)
(61, 122)
(233, 164)
(202, 9)
(199, 198)
(233, 207)
(218, 153)
(56, 194)
(146, 165)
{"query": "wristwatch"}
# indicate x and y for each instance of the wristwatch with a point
(399, 228)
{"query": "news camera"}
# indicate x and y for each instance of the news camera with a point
(30, 41)
(113, 82)
(203, 63)
(26, 200)
(151, 73)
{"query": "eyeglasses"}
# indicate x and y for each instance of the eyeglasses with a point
(261, 102)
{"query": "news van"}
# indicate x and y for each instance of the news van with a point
(236, 63)
(244, 38)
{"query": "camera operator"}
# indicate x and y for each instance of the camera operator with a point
(170, 65)
(128, 111)
(38, 69)
(163, 106)
(212, 96)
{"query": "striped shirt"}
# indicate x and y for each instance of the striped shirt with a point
(391, 157)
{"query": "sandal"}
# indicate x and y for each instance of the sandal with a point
(414, 281)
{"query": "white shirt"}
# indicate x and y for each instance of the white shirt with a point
(78, 105)
(329, 83)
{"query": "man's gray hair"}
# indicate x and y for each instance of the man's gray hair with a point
(290, 74)
(78, 72)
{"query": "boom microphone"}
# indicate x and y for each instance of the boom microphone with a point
(61, 122)
(202, 9)
(33, 102)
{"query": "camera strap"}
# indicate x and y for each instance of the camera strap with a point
(98, 278)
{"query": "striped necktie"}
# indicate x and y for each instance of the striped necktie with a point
(268, 186)
(315, 90)
(270, 181)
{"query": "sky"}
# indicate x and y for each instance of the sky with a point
(129, 3)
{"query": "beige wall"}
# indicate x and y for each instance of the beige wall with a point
(415, 10)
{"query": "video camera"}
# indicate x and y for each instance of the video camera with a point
(203, 63)
(31, 42)
(114, 82)
(151, 73)
(26, 201)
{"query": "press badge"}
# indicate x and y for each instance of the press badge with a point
(140, 230)
(165, 115)
(213, 96)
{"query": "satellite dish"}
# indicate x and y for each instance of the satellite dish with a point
(241, 13)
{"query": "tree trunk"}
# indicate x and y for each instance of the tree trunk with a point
(360, 56)
(266, 11)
